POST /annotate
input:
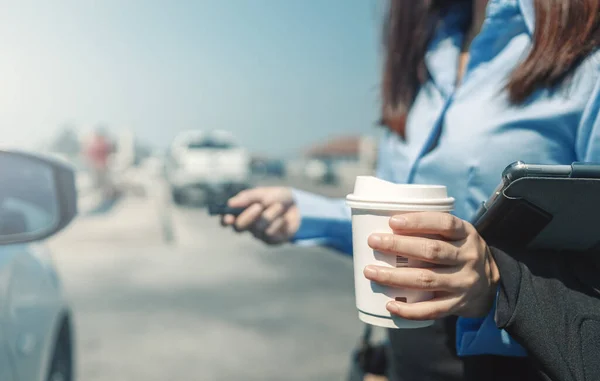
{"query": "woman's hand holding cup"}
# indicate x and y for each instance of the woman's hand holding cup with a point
(464, 276)
(270, 214)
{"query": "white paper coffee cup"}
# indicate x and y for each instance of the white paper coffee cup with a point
(373, 202)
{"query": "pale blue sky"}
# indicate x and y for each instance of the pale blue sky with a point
(280, 74)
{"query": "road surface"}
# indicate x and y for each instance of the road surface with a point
(164, 293)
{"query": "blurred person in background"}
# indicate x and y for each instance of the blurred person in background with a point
(467, 88)
(97, 151)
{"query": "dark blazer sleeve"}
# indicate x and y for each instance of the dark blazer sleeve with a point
(550, 303)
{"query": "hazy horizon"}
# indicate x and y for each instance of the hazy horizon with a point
(263, 69)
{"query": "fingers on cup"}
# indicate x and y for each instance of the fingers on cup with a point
(436, 223)
(429, 310)
(424, 249)
(426, 279)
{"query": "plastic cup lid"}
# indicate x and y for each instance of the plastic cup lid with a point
(370, 189)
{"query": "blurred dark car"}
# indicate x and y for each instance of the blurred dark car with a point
(268, 167)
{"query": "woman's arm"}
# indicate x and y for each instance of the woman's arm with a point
(550, 302)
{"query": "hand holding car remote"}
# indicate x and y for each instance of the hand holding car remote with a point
(269, 213)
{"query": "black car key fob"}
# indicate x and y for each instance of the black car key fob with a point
(223, 209)
(217, 201)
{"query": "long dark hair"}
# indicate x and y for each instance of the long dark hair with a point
(566, 31)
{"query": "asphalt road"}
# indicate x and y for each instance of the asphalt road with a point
(164, 293)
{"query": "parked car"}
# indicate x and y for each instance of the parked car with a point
(203, 162)
(38, 198)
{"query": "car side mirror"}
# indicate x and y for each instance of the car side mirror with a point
(38, 197)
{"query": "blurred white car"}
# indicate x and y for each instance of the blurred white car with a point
(37, 199)
(206, 161)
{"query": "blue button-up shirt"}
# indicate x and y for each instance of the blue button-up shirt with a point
(463, 137)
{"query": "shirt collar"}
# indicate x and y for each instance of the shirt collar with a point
(443, 51)
(442, 54)
(528, 11)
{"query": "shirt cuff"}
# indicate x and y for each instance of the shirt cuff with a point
(312, 228)
(323, 221)
(482, 337)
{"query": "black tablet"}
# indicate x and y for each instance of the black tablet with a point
(543, 207)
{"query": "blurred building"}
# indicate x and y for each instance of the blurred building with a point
(341, 159)
(361, 150)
